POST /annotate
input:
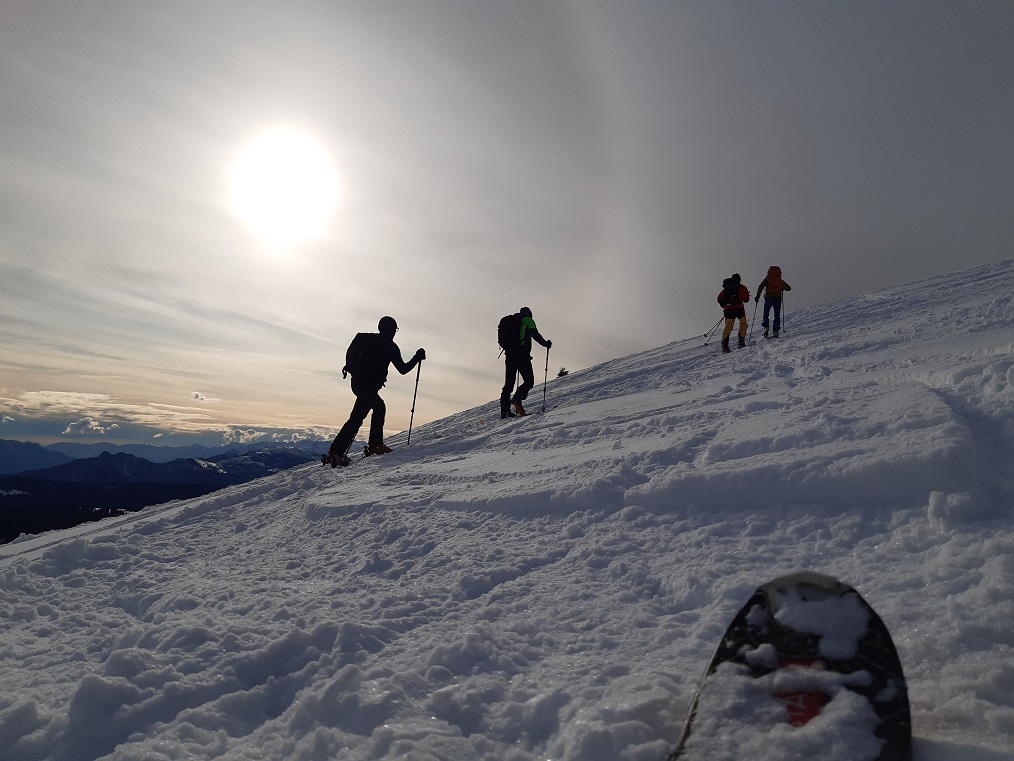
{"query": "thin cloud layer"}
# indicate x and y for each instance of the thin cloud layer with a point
(49, 414)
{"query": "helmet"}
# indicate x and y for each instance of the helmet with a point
(387, 326)
(525, 312)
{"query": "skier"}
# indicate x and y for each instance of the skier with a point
(773, 285)
(732, 297)
(367, 360)
(515, 334)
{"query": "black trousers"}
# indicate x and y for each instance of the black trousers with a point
(367, 400)
(517, 362)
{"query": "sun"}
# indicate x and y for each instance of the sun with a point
(283, 184)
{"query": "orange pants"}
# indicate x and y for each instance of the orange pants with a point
(728, 328)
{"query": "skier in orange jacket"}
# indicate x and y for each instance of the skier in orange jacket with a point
(773, 287)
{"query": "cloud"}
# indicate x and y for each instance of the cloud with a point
(308, 434)
(199, 397)
(48, 414)
(94, 413)
(89, 426)
(236, 435)
(243, 435)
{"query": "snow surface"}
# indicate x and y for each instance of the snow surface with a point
(553, 587)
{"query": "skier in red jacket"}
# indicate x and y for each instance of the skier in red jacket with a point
(732, 297)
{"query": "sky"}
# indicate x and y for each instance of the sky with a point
(553, 587)
(606, 164)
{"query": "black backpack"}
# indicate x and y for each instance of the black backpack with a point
(508, 332)
(730, 293)
(362, 358)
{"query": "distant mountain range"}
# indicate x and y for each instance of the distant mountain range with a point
(218, 471)
(19, 456)
(43, 489)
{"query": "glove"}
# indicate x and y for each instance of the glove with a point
(345, 373)
(549, 344)
(420, 355)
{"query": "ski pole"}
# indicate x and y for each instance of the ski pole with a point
(710, 332)
(545, 381)
(756, 303)
(783, 310)
(418, 369)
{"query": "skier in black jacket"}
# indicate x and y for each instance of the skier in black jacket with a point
(367, 360)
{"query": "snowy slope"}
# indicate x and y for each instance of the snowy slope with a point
(552, 587)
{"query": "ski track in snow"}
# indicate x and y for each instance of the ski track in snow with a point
(552, 587)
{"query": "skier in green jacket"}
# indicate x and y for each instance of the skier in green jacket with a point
(519, 360)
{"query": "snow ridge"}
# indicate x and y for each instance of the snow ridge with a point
(552, 587)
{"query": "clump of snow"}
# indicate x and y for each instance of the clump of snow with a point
(763, 656)
(839, 622)
(553, 587)
(948, 509)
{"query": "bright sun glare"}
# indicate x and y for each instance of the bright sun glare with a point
(283, 185)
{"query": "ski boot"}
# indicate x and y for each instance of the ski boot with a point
(378, 449)
(742, 341)
(775, 334)
(725, 346)
(505, 408)
(335, 460)
(519, 409)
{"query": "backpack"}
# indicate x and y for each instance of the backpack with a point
(774, 281)
(508, 332)
(362, 357)
(730, 293)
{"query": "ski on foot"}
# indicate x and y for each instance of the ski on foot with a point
(335, 460)
(372, 449)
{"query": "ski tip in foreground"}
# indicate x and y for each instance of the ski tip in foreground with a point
(805, 665)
